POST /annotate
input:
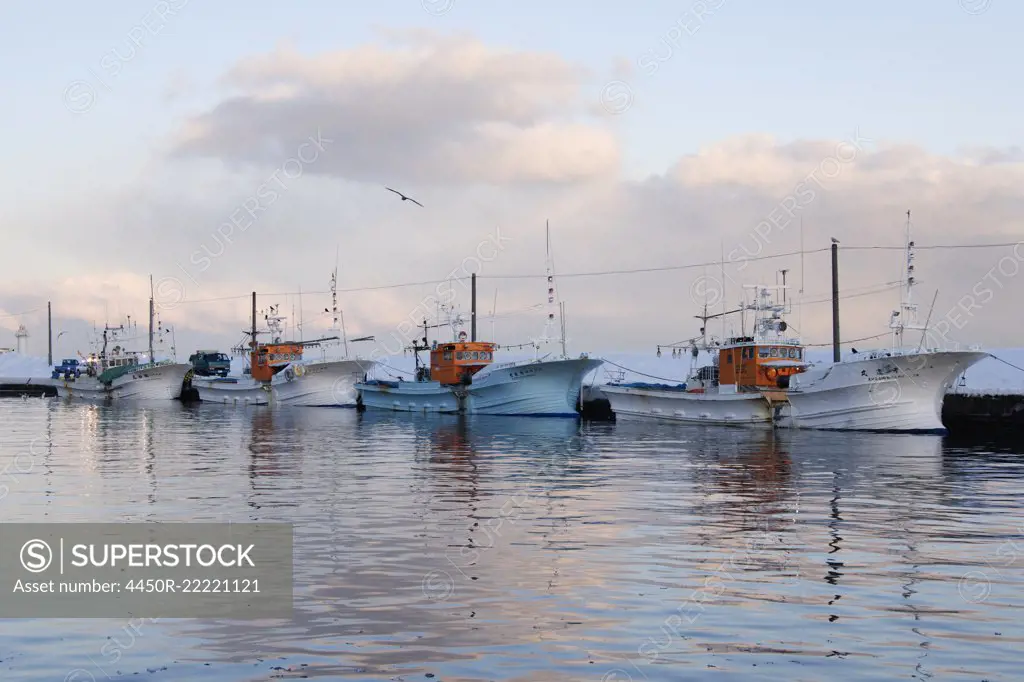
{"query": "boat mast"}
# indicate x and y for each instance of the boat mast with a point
(151, 358)
(906, 317)
(416, 348)
(252, 337)
(552, 295)
(274, 321)
(334, 306)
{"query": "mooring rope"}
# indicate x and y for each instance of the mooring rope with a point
(649, 376)
(1008, 363)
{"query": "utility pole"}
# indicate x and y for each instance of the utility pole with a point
(472, 313)
(151, 312)
(835, 300)
(49, 334)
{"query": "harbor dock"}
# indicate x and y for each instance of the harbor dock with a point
(16, 387)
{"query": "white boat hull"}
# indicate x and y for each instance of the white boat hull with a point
(317, 384)
(649, 403)
(162, 382)
(409, 396)
(242, 391)
(892, 393)
(547, 388)
(82, 388)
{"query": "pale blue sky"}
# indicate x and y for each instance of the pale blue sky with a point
(920, 71)
(923, 73)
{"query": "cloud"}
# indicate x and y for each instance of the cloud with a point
(491, 140)
(737, 198)
(433, 110)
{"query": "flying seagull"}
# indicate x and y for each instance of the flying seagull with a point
(404, 198)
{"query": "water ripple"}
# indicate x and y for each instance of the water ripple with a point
(532, 549)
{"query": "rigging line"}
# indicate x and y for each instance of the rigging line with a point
(685, 343)
(649, 376)
(663, 268)
(595, 273)
(920, 247)
(599, 273)
(387, 367)
(505, 346)
(27, 312)
(888, 287)
(866, 338)
(1008, 363)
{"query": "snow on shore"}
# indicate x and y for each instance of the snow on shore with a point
(21, 366)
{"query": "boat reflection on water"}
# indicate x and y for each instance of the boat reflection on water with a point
(413, 539)
(749, 473)
(458, 547)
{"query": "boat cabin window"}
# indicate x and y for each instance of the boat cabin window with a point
(447, 355)
(762, 352)
(728, 359)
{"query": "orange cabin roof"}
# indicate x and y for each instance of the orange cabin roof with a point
(759, 364)
(269, 358)
(450, 363)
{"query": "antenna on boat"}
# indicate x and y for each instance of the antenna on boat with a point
(494, 310)
(704, 319)
(784, 271)
(561, 316)
(800, 318)
(924, 330)
(723, 292)
(344, 334)
(300, 313)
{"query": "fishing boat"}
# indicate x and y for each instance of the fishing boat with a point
(462, 379)
(279, 372)
(896, 389)
(114, 372)
(743, 384)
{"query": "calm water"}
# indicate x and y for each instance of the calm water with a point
(636, 552)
